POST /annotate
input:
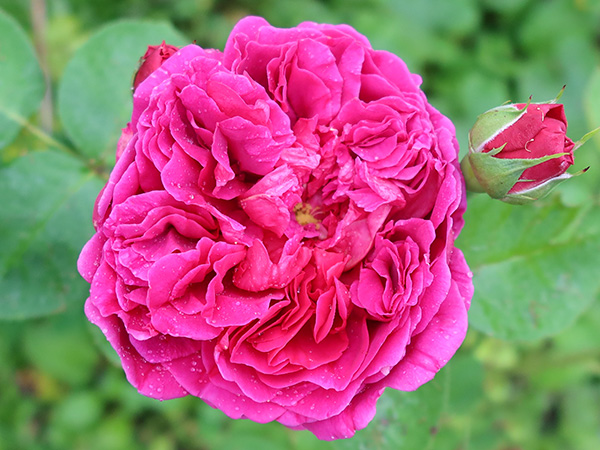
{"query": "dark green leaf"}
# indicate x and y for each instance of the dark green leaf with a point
(94, 97)
(21, 79)
(466, 383)
(535, 268)
(46, 200)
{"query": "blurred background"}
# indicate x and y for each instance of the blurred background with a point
(61, 387)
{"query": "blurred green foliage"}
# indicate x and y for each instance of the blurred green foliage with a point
(60, 386)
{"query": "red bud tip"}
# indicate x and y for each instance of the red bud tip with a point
(152, 60)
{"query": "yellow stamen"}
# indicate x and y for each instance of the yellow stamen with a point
(305, 214)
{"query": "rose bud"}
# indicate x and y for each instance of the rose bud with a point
(519, 152)
(152, 60)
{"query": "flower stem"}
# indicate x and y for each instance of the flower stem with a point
(39, 133)
(471, 181)
(39, 24)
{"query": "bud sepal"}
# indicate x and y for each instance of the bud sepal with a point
(497, 176)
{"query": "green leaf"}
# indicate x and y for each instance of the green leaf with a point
(466, 383)
(43, 338)
(78, 411)
(535, 268)
(591, 103)
(21, 79)
(94, 97)
(46, 200)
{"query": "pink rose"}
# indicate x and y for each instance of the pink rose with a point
(277, 236)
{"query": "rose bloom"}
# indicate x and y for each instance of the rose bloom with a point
(277, 236)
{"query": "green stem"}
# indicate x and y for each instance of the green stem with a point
(39, 133)
(471, 181)
(39, 22)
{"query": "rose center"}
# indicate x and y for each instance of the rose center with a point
(305, 214)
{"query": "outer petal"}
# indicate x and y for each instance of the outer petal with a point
(153, 380)
(431, 349)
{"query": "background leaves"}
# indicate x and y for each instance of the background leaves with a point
(527, 375)
(21, 80)
(535, 269)
(46, 200)
(47, 196)
(94, 94)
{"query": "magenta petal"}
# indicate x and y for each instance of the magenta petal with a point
(251, 145)
(245, 377)
(190, 373)
(150, 379)
(164, 275)
(171, 322)
(236, 307)
(257, 272)
(267, 204)
(237, 406)
(90, 257)
(435, 293)
(431, 349)
(463, 276)
(271, 213)
(355, 417)
(103, 292)
(160, 349)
